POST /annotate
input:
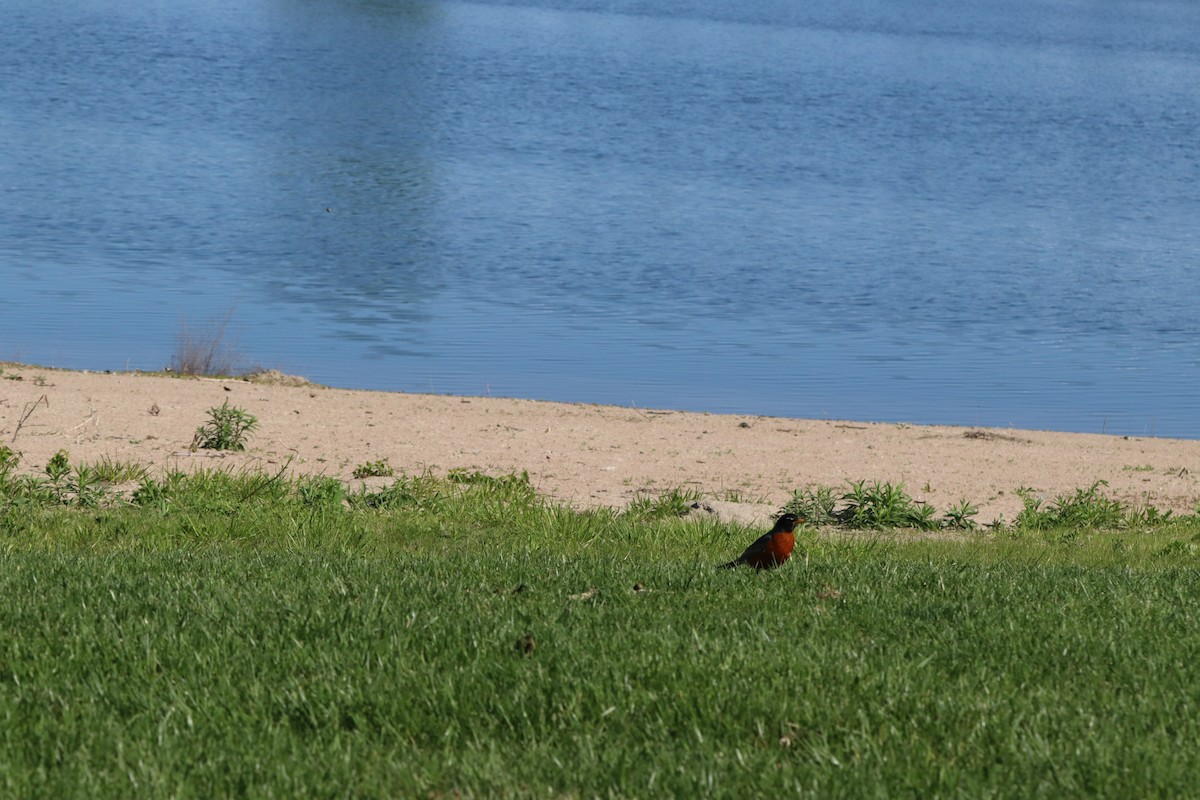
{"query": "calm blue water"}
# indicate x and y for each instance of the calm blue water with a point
(967, 212)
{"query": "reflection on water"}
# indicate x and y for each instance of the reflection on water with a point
(978, 214)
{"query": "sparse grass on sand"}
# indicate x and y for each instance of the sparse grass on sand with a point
(258, 635)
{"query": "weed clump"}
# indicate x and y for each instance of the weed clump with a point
(321, 492)
(226, 429)
(675, 503)
(875, 506)
(61, 484)
(1086, 508)
(374, 469)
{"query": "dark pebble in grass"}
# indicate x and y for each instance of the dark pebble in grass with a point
(525, 644)
(637, 587)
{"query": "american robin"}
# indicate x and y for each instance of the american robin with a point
(772, 548)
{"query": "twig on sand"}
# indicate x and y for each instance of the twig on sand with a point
(28, 410)
(90, 418)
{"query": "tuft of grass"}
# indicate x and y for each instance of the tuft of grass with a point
(409, 492)
(322, 492)
(491, 498)
(513, 487)
(59, 484)
(815, 504)
(226, 429)
(881, 505)
(674, 503)
(961, 517)
(1085, 508)
(150, 493)
(740, 496)
(9, 459)
(110, 470)
(873, 506)
(374, 469)
(884, 505)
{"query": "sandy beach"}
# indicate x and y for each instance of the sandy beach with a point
(579, 454)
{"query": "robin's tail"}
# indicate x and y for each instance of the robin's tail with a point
(730, 565)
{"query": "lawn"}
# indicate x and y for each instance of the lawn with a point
(252, 635)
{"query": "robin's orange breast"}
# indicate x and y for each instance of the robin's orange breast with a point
(778, 550)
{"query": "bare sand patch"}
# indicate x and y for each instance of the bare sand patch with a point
(583, 455)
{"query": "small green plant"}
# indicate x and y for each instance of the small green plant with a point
(675, 503)
(923, 516)
(374, 469)
(740, 496)
(85, 487)
(109, 470)
(505, 488)
(1147, 517)
(226, 429)
(324, 492)
(1086, 508)
(152, 494)
(8, 459)
(884, 505)
(428, 493)
(1176, 548)
(875, 506)
(416, 493)
(816, 504)
(63, 485)
(58, 467)
(1067, 537)
(961, 517)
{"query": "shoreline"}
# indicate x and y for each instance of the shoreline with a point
(580, 454)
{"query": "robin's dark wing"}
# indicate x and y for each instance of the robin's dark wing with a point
(758, 546)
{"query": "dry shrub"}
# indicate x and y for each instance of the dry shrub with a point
(205, 351)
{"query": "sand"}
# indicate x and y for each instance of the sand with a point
(579, 454)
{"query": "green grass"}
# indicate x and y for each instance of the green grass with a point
(672, 503)
(258, 635)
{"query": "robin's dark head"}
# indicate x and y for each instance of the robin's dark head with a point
(787, 522)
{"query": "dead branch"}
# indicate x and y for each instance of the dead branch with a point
(27, 411)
